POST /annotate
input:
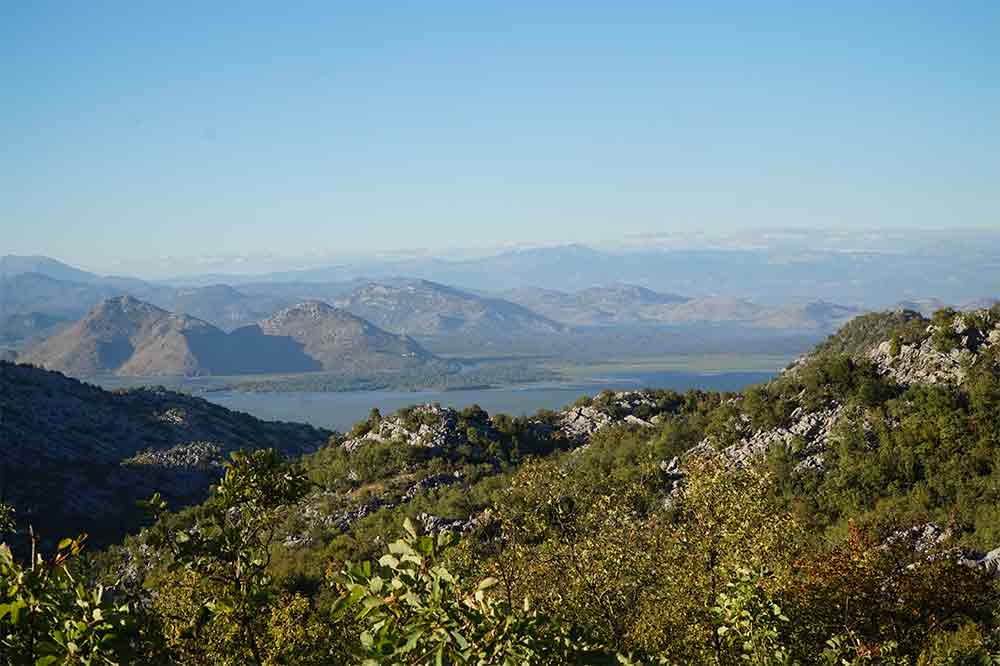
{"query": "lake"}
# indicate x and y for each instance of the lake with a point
(340, 411)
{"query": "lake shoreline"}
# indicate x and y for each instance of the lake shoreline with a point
(340, 410)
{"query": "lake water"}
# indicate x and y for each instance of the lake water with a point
(340, 411)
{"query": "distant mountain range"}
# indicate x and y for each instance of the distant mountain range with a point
(420, 307)
(38, 295)
(13, 265)
(29, 328)
(773, 270)
(128, 337)
(597, 306)
(629, 304)
(415, 307)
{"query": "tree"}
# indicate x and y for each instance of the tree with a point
(216, 594)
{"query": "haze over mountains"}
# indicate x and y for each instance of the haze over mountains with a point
(129, 326)
(625, 304)
(339, 340)
(420, 307)
(869, 269)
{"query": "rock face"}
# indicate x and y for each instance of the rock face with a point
(73, 456)
(430, 483)
(966, 339)
(338, 340)
(925, 362)
(443, 429)
(419, 307)
(435, 524)
(580, 423)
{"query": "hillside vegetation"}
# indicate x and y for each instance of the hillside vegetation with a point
(75, 457)
(843, 513)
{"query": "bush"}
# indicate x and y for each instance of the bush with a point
(413, 610)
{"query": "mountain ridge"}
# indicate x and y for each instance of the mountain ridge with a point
(128, 337)
(426, 308)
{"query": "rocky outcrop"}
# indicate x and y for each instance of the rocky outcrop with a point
(928, 361)
(428, 425)
(578, 424)
(436, 524)
(430, 483)
(806, 438)
(193, 455)
(933, 541)
(317, 515)
(434, 426)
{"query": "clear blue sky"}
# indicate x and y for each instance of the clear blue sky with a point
(175, 128)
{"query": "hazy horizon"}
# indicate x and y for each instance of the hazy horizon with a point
(787, 242)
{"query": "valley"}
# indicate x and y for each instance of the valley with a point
(547, 482)
(500, 334)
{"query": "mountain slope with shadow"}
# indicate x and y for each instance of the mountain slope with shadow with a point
(127, 337)
(74, 456)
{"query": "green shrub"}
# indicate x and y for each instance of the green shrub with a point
(413, 610)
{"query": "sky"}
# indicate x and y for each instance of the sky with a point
(152, 130)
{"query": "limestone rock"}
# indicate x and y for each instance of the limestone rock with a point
(426, 425)
(923, 363)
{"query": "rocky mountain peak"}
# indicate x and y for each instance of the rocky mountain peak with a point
(127, 306)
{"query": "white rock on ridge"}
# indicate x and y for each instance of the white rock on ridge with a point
(427, 425)
(806, 438)
(578, 424)
(923, 363)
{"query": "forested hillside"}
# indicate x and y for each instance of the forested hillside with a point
(844, 513)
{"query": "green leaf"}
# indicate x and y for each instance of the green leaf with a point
(400, 547)
(412, 640)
